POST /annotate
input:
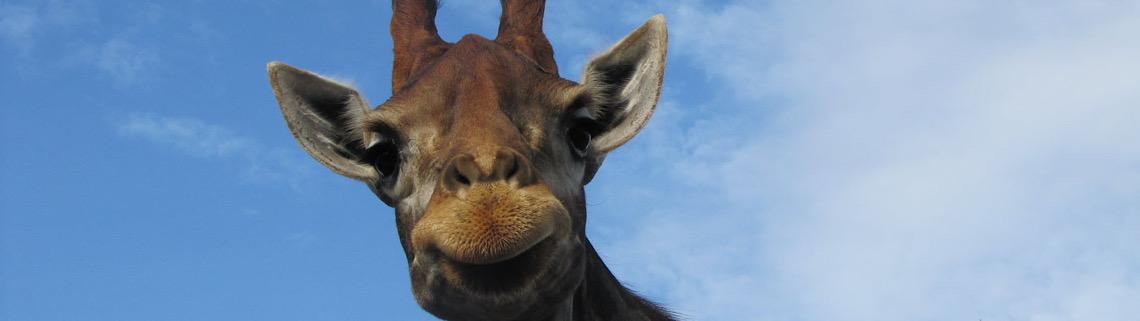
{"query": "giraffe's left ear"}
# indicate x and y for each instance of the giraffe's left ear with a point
(626, 81)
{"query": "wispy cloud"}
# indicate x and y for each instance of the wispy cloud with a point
(17, 24)
(888, 160)
(302, 239)
(206, 141)
(123, 61)
(188, 135)
(23, 26)
(58, 33)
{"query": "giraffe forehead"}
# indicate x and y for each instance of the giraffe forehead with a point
(477, 107)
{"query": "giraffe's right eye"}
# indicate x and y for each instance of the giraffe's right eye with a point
(385, 158)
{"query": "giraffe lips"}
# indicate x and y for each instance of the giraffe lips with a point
(491, 248)
(491, 225)
(503, 275)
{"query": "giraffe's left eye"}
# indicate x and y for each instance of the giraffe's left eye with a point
(579, 139)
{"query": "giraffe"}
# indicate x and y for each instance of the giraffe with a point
(483, 150)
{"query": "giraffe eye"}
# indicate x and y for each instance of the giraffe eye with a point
(385, 158)
(579, 140)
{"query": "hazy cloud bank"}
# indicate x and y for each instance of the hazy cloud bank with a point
(948, 160)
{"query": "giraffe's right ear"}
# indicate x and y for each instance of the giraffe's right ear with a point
(320, 113)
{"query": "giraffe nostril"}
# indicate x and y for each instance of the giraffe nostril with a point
(467, 170)
(512, 166)
(463, 180)
(512, 169)
(461, 173)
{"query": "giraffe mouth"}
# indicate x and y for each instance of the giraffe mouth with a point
(501, 276)
(508, 289)
(495, 238)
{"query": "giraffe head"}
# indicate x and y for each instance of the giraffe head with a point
(483, 150)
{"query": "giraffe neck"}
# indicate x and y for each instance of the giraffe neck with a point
(599, 297)
(602, 297)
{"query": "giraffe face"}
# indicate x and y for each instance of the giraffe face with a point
(484, 157)
(483, 150)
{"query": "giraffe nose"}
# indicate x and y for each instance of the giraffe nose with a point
(502, 165)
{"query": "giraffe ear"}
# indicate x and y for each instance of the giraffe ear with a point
(626, 81)
(320, 113)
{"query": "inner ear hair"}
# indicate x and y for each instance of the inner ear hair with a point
(321, 114)
(371, 130)
(606, 85)
(350, 143)
(626, 80)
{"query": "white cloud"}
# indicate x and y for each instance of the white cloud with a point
(17, 24)
(123, 61)
(200, 139)
(302, 239)
(889, 160)
(23, 25)
(188, 135)
(55, 33)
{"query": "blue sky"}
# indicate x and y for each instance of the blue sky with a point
(809, 160)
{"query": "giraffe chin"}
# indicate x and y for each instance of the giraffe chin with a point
(524, 287)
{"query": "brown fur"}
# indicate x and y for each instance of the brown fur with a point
(488, 188)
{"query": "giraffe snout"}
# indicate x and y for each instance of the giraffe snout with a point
(489, 207)
(468, 170)
(493, 222)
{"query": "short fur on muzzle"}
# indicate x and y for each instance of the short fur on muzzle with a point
(490, 223)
